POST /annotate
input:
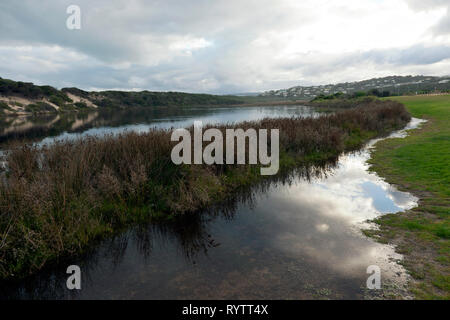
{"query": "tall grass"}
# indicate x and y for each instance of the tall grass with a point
(56, 200)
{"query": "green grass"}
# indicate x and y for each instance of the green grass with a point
(419, 163)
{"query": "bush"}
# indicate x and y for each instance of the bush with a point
(4, 106)
(81, 105)
(58, 100)
(39, 107)
(359, 94)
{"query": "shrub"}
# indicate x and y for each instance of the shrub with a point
(39, 107)
(4, 106)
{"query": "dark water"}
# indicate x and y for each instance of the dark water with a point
(297, 237)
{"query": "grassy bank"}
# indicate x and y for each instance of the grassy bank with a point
(420, 164)
(57, 200)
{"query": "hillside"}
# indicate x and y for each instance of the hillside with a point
(120, 99)
(18, 97)
(388, 86)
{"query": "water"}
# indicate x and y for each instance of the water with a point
(47, 128)
(297, 237)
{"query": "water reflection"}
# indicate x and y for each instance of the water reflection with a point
(295, 237)
(46, 128)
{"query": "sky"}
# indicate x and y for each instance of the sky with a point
(221, 46)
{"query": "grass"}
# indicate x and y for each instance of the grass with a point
(57, 200)
(419, 164)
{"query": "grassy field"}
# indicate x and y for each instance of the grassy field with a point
(420, 164)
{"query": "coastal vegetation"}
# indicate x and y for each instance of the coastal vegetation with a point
(123, 99)
(340, 101)
(357, 94)
(18, 97)
(56, 200)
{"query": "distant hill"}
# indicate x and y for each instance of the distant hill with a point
(18, 97)
(393, 85)
(121, 99)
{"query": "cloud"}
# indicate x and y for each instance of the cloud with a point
(443, 25)
(427, 5)
(219, 46)
(414, 55)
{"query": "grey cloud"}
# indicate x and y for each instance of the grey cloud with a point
(415, 55)
(141, 33)
(442, 27)
(427, 4)
(139, 44)
(327, 68)
(118, 31)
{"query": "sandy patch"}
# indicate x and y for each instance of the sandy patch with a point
(12, 100)
(76, 99)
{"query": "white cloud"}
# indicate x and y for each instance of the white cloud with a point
(188, 44)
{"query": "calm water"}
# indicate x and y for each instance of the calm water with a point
(49, 127)
(297, 237)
